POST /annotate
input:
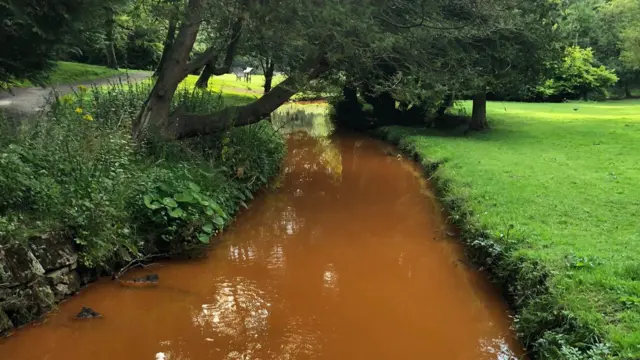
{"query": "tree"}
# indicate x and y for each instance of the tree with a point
(32, 32)
(155, 119)
(231, 34)
(608, 28)
(578, 75)
(425, 50)
(109, 46)
(625, 14)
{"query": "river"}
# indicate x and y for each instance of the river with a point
(346, 257)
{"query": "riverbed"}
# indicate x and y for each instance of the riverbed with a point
(346, 256)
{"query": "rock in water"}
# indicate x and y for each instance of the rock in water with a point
(144, 281)
(148, 279)
(87, 313)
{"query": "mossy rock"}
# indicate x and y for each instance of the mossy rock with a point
(18, 266)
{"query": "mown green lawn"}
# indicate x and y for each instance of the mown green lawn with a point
(228, 84)
(69, 73)
(566, 177)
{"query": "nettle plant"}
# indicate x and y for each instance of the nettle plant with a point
(184, 207)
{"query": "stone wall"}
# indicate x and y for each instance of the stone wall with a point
(35, 277)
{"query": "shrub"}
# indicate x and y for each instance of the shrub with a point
(576, 75)
(77, 171)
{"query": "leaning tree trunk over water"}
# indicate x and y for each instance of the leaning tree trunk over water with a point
(232, 46)
(479, 114)
(268, 74)
(191, 125)
(168, 41)
(154, 114)
(205, 75)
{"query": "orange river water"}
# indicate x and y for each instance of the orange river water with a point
(349, 258)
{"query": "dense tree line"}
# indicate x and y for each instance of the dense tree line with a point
(416, 53)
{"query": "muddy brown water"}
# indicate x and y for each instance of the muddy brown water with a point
(348, 259)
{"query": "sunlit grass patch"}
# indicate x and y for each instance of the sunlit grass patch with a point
(229, 84)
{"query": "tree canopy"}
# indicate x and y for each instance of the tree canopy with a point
(412, 52)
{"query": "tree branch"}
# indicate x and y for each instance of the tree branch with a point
(190, 125)
(210, 53)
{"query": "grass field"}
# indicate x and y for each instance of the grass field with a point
(69, 73)
(563, 184)
(228, 84)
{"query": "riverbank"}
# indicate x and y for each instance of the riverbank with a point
(541, 204)
(348, 257)
(79, 199)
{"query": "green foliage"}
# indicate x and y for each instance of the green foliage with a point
(135, 28)
(609, 27)
(624, 15)
(178, 205)
(32, 32)
(537, 196)
(577, 75)
(76, 171)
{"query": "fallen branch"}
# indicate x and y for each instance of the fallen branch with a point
(140, 261)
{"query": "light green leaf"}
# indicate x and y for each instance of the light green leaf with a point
(218, 209)
(204, 238)
(208, 211)
(185, 198)
(194, 186)
(208, 228)
(176, 213)
(148, 202)
(169, 202)
(218, 221)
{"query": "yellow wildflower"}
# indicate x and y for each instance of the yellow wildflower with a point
(88, 117)
(79, 110)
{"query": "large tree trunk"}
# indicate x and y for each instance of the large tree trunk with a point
(110, 50)
(584, 94)
(447, 102)
(268, 75)
(232, 46)
(190, 125)
(627, 91)
(205, 75)
(168, 41)
(384, 105)
(154, 115)
(479, 114)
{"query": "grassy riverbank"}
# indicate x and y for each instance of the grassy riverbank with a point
(550, 199)
(76, 174)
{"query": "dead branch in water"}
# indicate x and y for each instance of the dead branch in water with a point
(140, 261)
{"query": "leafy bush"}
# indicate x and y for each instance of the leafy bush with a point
(77, 171)
(576, 75)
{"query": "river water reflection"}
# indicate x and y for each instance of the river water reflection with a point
(349, 258)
